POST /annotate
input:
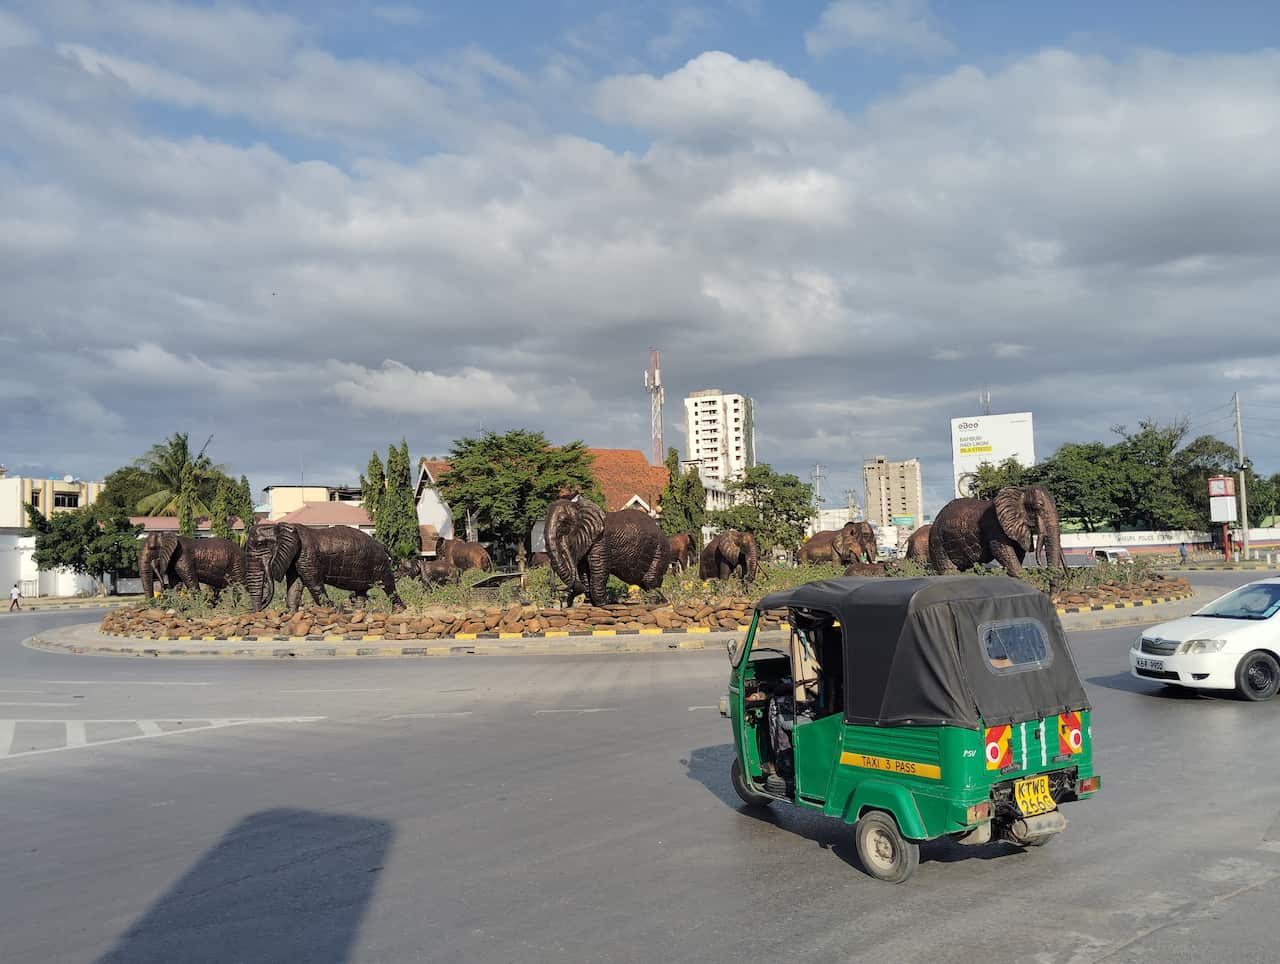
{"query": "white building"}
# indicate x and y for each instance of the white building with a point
(18, 564)
(894, 493)
(720, 434)
(717, 495)
(48, 495)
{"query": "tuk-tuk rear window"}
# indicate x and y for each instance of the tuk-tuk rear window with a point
(1015, 646)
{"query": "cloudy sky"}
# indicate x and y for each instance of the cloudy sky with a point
(308, 228)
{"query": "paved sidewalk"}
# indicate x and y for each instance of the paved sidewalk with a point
(42, 604)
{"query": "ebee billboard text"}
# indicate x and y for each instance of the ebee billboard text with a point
(989, 438)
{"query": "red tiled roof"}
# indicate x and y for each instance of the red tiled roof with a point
(622, 474)
(169, 523)
(328, 514)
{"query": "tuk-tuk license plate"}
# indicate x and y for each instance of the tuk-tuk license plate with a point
(1155, 664)
(1032, 796)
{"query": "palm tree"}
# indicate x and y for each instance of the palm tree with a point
(165, 463)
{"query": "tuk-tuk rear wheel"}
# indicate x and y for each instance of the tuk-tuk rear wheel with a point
(749, 796)
(884, 852)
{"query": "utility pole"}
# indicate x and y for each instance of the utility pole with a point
(817, 484)
(1244, 496)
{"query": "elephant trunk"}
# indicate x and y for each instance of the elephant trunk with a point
(147, 571)
(1051, 539)
(257, 579)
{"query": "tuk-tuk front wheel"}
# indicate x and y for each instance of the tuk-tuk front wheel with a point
(749, 796)
(884, 852)
(1258, 676)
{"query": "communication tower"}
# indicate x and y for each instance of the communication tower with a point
(653, 385)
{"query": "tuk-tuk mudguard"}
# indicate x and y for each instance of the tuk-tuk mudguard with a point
(892, 798)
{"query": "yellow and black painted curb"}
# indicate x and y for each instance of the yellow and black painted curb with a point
(1105, 607)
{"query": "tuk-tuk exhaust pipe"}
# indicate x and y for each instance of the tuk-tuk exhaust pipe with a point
(1026, 831)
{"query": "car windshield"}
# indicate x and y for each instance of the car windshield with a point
(1258, 601)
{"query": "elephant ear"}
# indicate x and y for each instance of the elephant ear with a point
(162, 550)
(1011, 510)
(288, 542)
(573, 526)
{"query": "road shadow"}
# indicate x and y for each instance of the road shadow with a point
(1128, 683)
(282, 885)
(709, 765)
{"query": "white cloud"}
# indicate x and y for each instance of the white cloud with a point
(15, 32)
(716, 96)
(400, 389)
(878, 26)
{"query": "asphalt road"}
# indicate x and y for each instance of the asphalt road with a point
(573, 809)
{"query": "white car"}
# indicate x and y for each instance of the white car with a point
(1232, 643)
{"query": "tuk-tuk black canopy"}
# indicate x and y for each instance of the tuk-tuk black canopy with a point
(913, 650)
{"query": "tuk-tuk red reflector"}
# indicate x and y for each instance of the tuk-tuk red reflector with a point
(978, 812)
(1088, 785)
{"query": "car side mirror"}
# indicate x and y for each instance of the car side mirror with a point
(729, 647)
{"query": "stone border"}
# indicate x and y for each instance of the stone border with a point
(1103, 607)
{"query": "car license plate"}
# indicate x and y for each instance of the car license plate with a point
(1155, 664)
(1032, 796)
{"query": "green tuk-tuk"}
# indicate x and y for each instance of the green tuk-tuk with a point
(913, 709)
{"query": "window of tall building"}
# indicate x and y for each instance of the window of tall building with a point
(66, 500)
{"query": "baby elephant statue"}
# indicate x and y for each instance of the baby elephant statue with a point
(854, 542)
(728, 553)
(918, 546)
(588, 545)
(430, 572)
(170, 558)
(462, 555)
(338, 556)
(681, 551)
(970, 532)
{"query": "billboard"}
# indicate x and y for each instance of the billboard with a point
(1222, 499)
(989, 438)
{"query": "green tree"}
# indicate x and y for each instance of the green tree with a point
(1147, 495)
(684, 501)
(165, 463)
(507, 481)
(373, 486)
(990, 479)
(187, 501)
(1084, 482)
(126, 487)
(396, 521)
(242, 507)
(93, 541)
(773, 507)
(220, 512)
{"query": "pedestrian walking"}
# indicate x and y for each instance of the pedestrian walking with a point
(14, 595)
(1182, 552)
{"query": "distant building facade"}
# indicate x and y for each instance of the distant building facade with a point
(894, 493)
(718, 496)
(720, 434)
(283, 498)
(47, 495)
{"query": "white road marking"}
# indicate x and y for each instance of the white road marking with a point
(27, 692)
(1270, 845)
(121, 682)
(587, 709)
(375, 689)
(149, 727)
(6, 736)
(692, 708)
(426, 716)
(76, 735)
(25, 703)
(7, 726)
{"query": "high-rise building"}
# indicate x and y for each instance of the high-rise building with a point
(719, 434)
(895, 495)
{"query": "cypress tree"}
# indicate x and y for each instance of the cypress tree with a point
(220, 513)
(373, 488)
(396, 526)
(187, 501)
(242, 507)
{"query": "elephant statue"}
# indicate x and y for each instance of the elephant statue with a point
(168, 558)
(430, 572)
(866, 569)
(588, 545)
(338, 556)
(463, 555)
(681, 550)
(538, 559)
(918, 546)
(855, 542)
(729, 552)
(970, 532)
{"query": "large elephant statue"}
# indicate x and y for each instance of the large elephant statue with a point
(728, 553)
(168, 558)
(855, 542)
(338, 556)
(681, 550)
(462, 555)
(970, 532)
(918, 546)
(588, 545)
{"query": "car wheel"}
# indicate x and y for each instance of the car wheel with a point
(884, 852)
(1258, 676)
(749, 796)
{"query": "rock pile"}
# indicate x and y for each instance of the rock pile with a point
(1115, 592)
(435, 623)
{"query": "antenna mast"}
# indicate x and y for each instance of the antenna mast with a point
(985, 400)
(653, 385)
